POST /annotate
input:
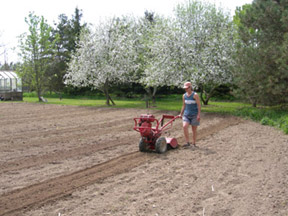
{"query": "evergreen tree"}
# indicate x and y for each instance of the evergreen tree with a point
(262, 57)
(68, 31)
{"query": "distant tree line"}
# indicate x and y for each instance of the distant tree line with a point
(201, 44)
(8, 66)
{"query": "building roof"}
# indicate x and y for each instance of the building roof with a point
(8, 75)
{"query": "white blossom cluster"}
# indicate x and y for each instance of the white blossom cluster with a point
(103, 55)
(196, 45)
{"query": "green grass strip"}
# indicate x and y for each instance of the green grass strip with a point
(272, 116)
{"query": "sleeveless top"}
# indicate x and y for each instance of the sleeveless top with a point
(191, 107)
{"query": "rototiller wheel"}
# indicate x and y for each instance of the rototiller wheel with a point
(151, 135)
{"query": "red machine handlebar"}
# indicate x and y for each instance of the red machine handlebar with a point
(163, 127)
(151, 118)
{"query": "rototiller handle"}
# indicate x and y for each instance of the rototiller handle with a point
(163, 127)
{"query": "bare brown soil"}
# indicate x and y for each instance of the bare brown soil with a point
(65, 160)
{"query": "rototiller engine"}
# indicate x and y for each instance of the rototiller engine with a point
(151, 134)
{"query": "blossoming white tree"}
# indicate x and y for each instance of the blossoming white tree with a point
(196, 46)
(148, 28)
(157, 71)
(208, 45)
(105, 56)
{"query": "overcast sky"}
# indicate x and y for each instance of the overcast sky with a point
(13, 13)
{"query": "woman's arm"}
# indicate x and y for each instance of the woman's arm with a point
(196, 97)
(183, 106)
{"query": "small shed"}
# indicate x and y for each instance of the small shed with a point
(10, 86)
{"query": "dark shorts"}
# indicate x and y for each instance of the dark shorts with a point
(192, 120)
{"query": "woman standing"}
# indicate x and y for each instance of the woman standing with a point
(190, 113)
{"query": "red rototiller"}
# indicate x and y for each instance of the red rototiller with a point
(151, 129)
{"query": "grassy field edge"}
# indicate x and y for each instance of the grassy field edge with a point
(272, 116)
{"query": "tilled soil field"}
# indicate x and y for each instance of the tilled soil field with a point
(65, 160)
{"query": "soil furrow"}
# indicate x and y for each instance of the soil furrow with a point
(52, 189)
(38, 160)
(60, 132)
(50, 113)
(14, 202)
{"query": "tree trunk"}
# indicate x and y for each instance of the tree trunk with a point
(147, 96)
(105, 90)
(201, 96)
(38, 87)
(207, 95)
(39, 96)
(153, 95)
(254, 103)
(107, 96)
(150, 96)
(111, 100)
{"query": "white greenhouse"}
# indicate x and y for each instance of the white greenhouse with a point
(10, 86)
